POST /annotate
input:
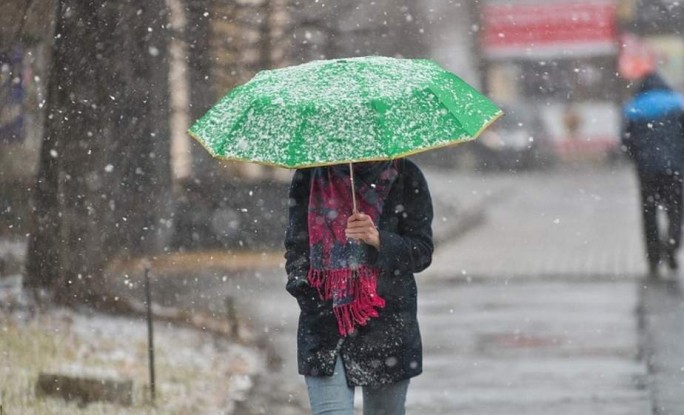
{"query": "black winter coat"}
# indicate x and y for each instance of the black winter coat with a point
(653, 128)
(388, 348)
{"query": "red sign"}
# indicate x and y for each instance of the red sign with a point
(556, 29)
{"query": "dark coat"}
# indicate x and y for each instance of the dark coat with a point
(388, 348)
(653, 128)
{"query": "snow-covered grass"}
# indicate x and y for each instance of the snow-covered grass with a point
(196, 373)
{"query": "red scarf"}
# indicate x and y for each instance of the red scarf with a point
(340, 269)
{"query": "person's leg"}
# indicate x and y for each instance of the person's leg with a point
(676, 215)
(673, 207)
(330, 395)
(387, 399)
(649, 206)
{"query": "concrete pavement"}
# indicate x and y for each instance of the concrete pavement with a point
(574, 222)
(662, 312)
(532, 311)
(530, 347)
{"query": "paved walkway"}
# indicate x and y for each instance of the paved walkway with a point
(531, 312)
(579, 222)
(530, 347)
(540, 308)
(663, 338)
(534, 311)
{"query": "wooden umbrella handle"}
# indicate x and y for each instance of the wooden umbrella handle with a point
(353, 188)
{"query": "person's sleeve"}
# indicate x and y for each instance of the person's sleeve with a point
(410, 249)
(297, 240)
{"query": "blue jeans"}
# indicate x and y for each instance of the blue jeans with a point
(330, 395)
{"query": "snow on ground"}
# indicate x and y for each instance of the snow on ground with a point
(196, 373)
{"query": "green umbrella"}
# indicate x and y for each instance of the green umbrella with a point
(343, 111)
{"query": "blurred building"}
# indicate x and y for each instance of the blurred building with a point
(449, 31)
(556, 59)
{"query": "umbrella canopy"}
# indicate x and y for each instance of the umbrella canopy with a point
(344, 110)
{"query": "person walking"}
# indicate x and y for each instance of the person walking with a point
(352, 273)
(653, 137)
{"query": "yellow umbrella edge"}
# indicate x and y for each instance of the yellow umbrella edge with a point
(312, 165)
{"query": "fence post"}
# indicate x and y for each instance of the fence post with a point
(150, 332)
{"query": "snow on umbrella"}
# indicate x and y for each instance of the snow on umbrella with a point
(344, 110)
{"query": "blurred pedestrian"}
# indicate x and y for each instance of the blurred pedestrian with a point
(653, 136)
(352, 275)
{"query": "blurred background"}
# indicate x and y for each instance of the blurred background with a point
(550, 65)
(97, 171)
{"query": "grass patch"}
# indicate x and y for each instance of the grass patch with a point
(196, 373)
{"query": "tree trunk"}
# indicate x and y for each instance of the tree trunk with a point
(104, 179)
(202, 93)
(43, 262)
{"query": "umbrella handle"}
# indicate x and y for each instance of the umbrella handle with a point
(353, 188)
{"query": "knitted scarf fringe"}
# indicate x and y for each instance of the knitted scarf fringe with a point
(360, 286)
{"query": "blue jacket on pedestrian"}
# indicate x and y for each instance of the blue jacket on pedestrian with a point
(653, 127)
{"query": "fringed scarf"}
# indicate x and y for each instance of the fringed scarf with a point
(340, 269)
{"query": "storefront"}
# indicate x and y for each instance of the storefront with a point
(556, 59)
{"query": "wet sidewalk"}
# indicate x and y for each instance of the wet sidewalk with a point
(575, 222)
(530, 347)
(521, 314)
(535, 310)
(531, 309)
